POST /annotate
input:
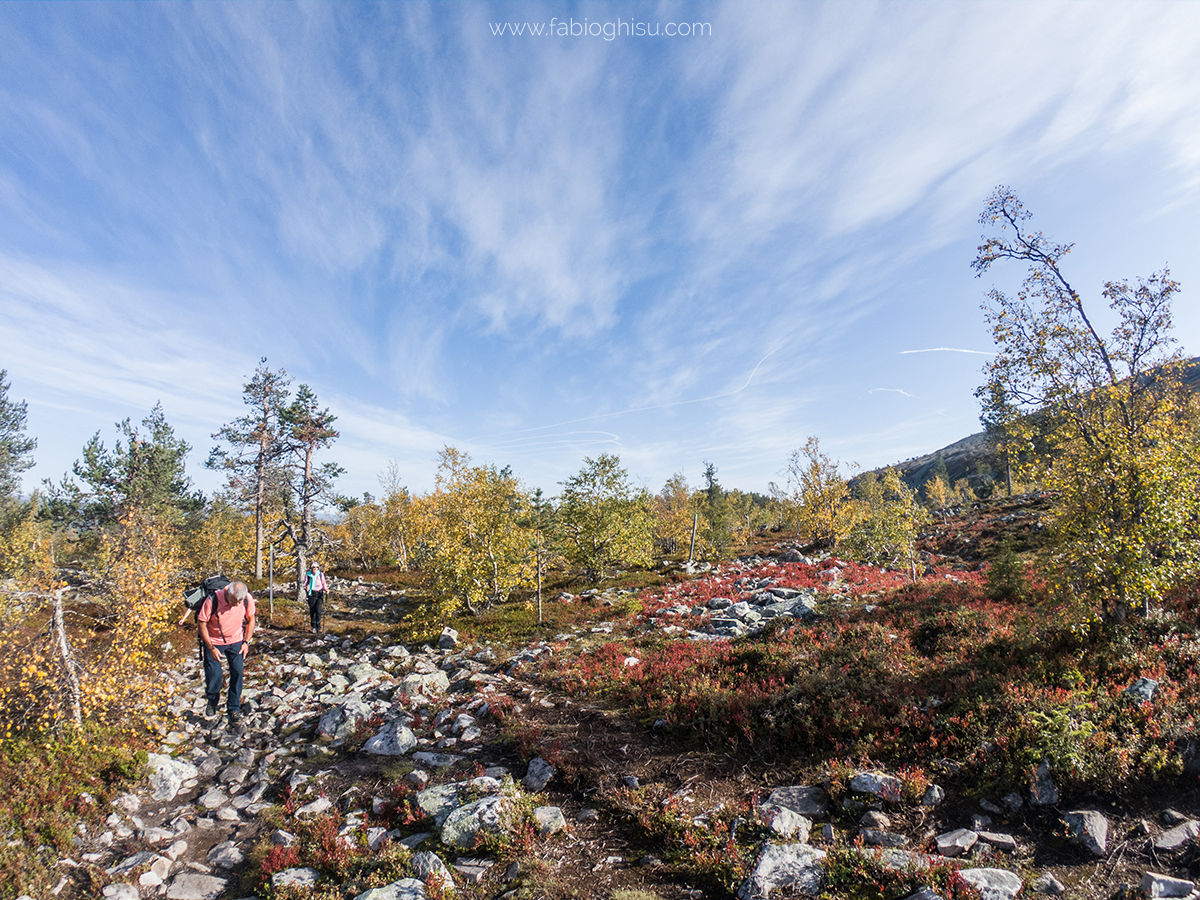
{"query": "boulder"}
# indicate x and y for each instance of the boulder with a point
(877, 784)
(993, 884)
(549, 819)
(786, 823)
(1155, 885)
(463, 827)
(194, 886)
(404, 889)
(957, 842)
(428, 866)
(394, 739)
(796, 867)
(807, 801)
(538, 775)
(341, 721)
(1089, 829)
(297, 877)
(167, 775)
(1181, 836)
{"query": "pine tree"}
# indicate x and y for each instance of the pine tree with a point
(255, 447)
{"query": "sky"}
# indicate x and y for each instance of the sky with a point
(674, 232)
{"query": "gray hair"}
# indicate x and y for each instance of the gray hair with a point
(238, 591)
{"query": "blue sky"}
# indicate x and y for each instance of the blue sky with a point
(536, 249)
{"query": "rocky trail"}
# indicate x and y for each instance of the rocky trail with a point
(503, 788)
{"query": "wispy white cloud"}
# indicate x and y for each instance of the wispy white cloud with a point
(949, 350)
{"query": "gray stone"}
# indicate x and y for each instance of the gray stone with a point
(129, 863)
(934, 795)
(448, 639)
(957, 842)
(318, 806)
(807, 801)
(438, 802)
(874, 818)
(472, 870)
(298, 877)
(1179, 837)
(194, 886)
(1048, 884)
(282, 838)
(993, 884)
(429, 865)
(226, 856)
(538, 776)
(214, 798)
(233, 774)
(431, 684)
(404, 889)
(1042, 790)
(903, 860)
(877, 784)
(549, 819)
(464, 826)
(341, 721)
(1005, 842)
(1089, 829)
(167, 775)
(786, 823)
(796, 867)
(925, 893)
(1155, 885)
(394, 739)
(873, 837)
(364, 671)
(1141, 691)
(435, 760)
(1012, 803)
(116, 892)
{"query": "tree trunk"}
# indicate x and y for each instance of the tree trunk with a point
(70, 666)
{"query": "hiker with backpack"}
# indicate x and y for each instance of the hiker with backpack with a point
(316, 596)
(226, 624)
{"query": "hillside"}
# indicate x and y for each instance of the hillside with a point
(780, 720)
(973, 457)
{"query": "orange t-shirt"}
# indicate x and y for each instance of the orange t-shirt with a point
(229, 624)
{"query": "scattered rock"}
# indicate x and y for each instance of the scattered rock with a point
(993, 884)
(1089, 829)
(796, 867)
(538, 776)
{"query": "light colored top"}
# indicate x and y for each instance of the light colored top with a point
(316, 580)
(229, 624)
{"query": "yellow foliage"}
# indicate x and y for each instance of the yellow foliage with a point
(819, 501)
(114, 665)
(223, 543)
(675, 509)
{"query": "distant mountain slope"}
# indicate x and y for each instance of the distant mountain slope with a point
(975, 459)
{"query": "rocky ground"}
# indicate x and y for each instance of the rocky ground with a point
(501, 788)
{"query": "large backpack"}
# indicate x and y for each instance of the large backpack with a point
(194, 599)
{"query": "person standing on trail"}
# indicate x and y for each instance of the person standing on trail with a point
(226, 624)
(316, 596)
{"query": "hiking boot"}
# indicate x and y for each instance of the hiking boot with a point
(235, 723)
(210, 711)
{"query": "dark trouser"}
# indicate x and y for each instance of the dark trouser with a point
(212, 675)
(316, 606)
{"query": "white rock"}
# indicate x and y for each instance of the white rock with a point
(796, 867)
(1155, 885)
(394, 739)
(992, 884)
